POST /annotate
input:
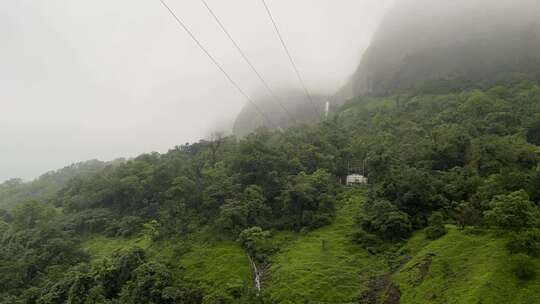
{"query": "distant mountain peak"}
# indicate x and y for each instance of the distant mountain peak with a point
(420, 41)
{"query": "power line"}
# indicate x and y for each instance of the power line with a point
(259, 110)
(246, 59)
(290, 57)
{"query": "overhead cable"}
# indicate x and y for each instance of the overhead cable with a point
(246, 59)
(298, 75)
(216, 63)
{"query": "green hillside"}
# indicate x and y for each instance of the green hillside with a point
(450, 214)
(464, 267)
(45, 187)
(324, 265)
(327, 266)
(221, 268)
(218, 267)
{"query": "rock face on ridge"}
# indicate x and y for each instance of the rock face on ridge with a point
(433, 45)
(300, 108)
(423, 41)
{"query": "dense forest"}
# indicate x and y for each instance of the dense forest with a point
(46, 186)
(443, 118)
(199, 223)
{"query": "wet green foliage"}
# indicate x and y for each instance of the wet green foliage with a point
(468, 158)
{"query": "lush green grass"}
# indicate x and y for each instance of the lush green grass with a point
(323, 266)
(99, 246)
(464, 268)
(219, 267)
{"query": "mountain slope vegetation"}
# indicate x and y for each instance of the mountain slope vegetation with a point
(445, 122)
(44, 188)
(464, 267)
(451, 213)
(323, 265)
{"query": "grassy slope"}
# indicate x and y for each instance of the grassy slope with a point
(100, 246)
(305, 272)
(216, 266)
(464, 269)
(219, 267)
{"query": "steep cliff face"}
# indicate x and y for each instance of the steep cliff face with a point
(299, 107)
(438, 44)
(420, 41)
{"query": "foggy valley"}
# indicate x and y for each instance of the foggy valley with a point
(270, 151)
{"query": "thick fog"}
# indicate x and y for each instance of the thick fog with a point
(83, 79)
(425, 40)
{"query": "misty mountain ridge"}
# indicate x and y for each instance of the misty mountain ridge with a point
(421, 44)
(442, 117)
(425, 41)
(297, 108)
(44, 188)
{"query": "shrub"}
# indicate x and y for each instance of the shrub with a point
(512, 211)
(436, 227)
(527, 242)
(368, 241)
(33, 214)
(523, 266)
(385, 220)
(3, 228)
(148, 283)
(152, 230)
(466, 214)
(435, 232)
(125, 227)
(248, 210)
(308, 201)
(533, 132)
(90, 220)
(257, 243)
(5, 216)
(120, 270)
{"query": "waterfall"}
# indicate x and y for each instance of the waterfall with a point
(256, 275)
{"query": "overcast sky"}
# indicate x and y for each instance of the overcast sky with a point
(85, 79)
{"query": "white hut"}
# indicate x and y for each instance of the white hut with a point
(356, 179)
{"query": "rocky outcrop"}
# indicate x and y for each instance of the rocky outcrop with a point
(424, 41)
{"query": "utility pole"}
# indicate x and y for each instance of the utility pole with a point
(364, 168)
(326, 110)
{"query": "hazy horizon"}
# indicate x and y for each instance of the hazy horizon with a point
(106, 79)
